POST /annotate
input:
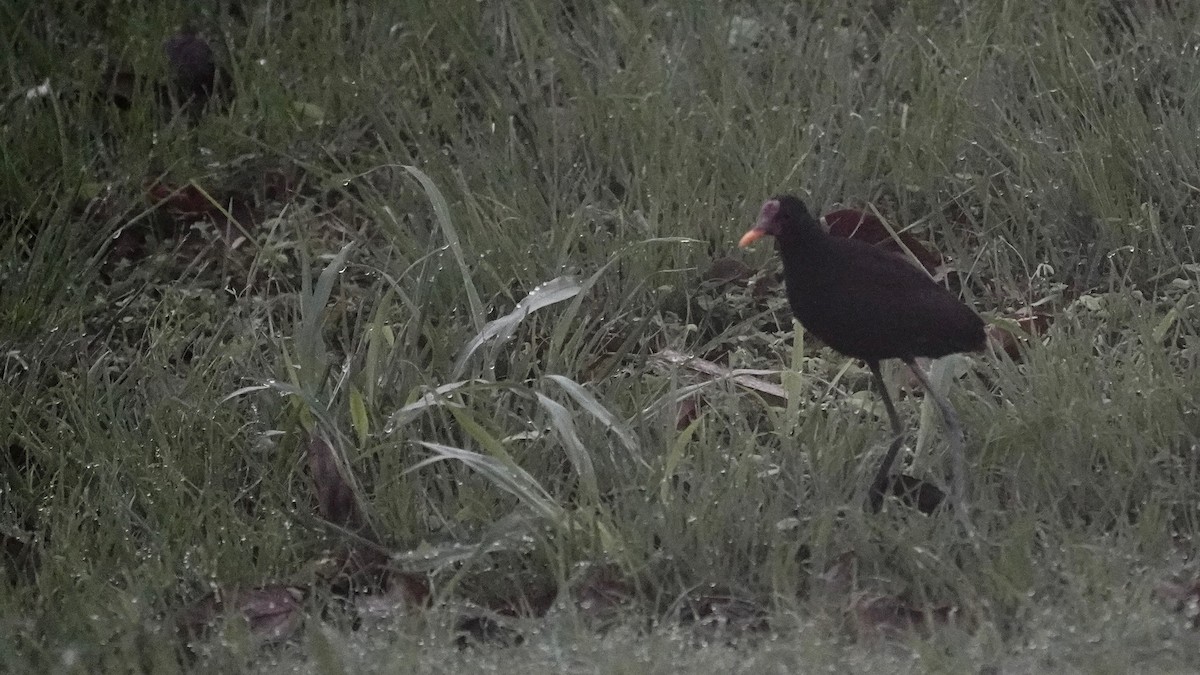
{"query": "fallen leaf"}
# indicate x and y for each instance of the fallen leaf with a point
(532, 600)
(721, 611)
(485, 629)
(689, 410)
(273, 613)
(404, 591)
(876, 616)
(500, 621)
(601, 595)
(1012, 334)
(727, 270)
(838, 579)
(1184, 597)
(867, 228)
(743, 378)
(188, 201)
(336, 501)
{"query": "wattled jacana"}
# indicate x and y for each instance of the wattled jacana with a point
(868, 303)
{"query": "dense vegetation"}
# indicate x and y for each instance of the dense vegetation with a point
(391, 325)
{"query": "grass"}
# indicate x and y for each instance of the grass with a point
(515, 206)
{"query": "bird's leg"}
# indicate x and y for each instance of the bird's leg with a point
(958, 464)
(879, 485)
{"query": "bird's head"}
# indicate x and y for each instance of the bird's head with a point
(784, 216)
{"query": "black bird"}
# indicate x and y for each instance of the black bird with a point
(871, 304)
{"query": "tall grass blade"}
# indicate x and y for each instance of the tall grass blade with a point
(597, 410)
(505, 476)
(441, 211)
(431, 399)
(579, 456)
(554, 291)
(311, 359)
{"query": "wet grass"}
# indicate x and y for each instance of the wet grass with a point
(522, 205)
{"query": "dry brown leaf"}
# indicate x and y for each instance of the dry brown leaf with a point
(867, 228)
(876, 616)
(728, 270)
(721, 612)
(336, 501)
(187, 203)
(1012, 333)
(689, 410)
(404, 591)
(273, 613)
(1184, 597)
(602, 594)
(743, 378)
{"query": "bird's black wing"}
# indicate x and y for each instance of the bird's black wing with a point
(878, 306)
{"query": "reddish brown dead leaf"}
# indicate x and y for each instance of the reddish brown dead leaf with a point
(1035, 323)
(833, 586)
(410, 587)
(190, 203)
(602, 594)
(867, 228)
(186, 202)
(876, 616)
(336, 501)
(873, 615)
(1012, 334)
(354, 567)
(719, 610)
(499, 620)
(728, 270)
(360, 566)
(839, 578)
(403, 591)
(689, 411)
(532, 600)
(764, 287)
(1184, 597)
(359, 569)
(273, 613)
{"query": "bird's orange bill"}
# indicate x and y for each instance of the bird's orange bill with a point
(751, 236)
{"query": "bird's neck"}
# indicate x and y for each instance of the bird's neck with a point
(803, 252)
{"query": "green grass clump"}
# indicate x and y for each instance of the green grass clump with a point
(456, 241)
